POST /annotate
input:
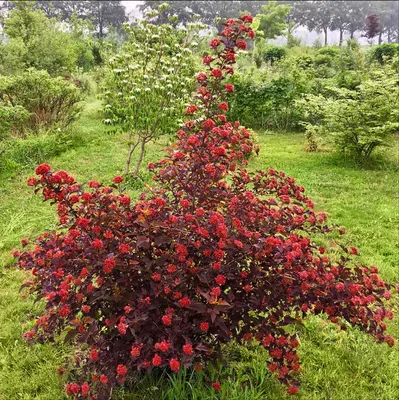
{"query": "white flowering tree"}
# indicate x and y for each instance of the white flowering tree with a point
(149, 83)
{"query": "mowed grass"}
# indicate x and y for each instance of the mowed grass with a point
(336, 364)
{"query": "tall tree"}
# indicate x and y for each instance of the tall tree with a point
(207, 10)
(102, 14)
(273, 19)
(357, 12)
(372, 27)
(388, 13)
(319, 17)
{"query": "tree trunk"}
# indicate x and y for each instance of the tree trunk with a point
(380, 38)
(325, 36)
(141, 156)
(352, 33)
(129, 158)
(341, 36)
(389, 35)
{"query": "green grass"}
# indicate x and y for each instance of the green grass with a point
(337, 365)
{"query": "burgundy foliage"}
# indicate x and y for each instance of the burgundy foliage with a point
(212, 253)
(372, 27)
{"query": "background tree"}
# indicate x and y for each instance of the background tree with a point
(102, 14)
(208, 11)
(36, 41)
(147, 83)
(273, 19)
(319, 16)
(388, 13)
(372, 26)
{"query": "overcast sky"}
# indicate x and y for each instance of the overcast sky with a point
(131, 6)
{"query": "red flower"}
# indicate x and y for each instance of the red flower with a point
(229, 88)
(85, 389)
(223, 106)
(191, 109)
(188, 349)
(217, 73)
(135, 351)
(209, 124)
(174, 364)
(32, 182)
(93, 355)
(185, 302)
(97, 244)
(217, 386)
(292, 389)
(156, 361)
(121, 369)
(238, 244)
(64, 311)
(109, 265)
(156, 277)
(167, 320)
(178, 155)
(251, 33)
(118, 179)
(86, 309)
(215, 292)
(230, 57)
(124, 248)
(185, 203)
(103, 379)
(42, 169)
(94, 184)
(247, 18)
(207, 59)
(215, 42)
(340, 287)
(204, 326)
(353, 250)
(220, 279)
(241, 44)
(162, 346)
(220, 151)
(201, 77)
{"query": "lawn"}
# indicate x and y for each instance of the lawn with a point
(336, 364)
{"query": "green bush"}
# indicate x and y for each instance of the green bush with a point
(35, 41)
(323, 59)
(384, 52)
(12, 119)
(331, 51)
(359, 121)
(18, 153)
(51, 102)
(274, 53)
(269, 104)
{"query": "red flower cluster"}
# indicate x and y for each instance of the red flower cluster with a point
(165, 282)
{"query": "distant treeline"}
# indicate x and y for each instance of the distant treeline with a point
(347, 17)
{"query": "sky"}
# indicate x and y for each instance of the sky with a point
(131, 7)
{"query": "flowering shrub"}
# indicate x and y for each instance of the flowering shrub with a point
(211, 254)
(149, 82)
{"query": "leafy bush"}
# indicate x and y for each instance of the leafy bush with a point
(274, 53)
(323, 59)
(209, 255)
(269, 104)
(384, 52)
(329, 51)
(362, 120)
(12, 119)
(51, 102)
(34, 41)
